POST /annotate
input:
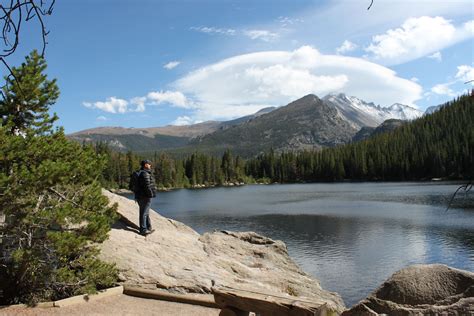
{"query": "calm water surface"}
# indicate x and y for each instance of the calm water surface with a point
(350, 236)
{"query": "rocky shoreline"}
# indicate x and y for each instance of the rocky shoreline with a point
(180, 260)
(196, 186)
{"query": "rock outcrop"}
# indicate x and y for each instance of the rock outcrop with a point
(421, 290)
(178, 259)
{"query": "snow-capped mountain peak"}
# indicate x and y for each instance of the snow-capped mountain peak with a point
(361, 113)
(403, 112)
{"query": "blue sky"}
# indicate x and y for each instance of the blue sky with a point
(153, 63)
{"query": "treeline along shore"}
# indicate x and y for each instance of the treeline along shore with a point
(437, 145)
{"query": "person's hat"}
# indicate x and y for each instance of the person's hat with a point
(146, 161)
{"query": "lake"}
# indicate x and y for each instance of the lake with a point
(350, 236)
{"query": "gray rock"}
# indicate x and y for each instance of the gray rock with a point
(421, 290)
(178, 259)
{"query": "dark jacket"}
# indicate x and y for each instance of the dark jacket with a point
(147, 185)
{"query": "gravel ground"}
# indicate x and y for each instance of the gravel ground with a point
(117, 305)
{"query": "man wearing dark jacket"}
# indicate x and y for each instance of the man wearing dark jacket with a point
(147, 191)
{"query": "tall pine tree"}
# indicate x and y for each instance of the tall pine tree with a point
(27, 96)
(53, 209)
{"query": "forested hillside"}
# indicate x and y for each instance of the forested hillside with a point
(439, 145)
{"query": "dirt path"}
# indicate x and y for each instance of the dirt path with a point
(117, 305)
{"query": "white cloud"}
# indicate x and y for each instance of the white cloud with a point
(174, 98)
(347, 46)
(111, 105)
(115, 105)
(102, 118)
(436, 56)
(469, 26)
(183, 120)
(286, 21)
(172, 64)
(443, 89)
(414, 79)
(213, 30)
(139, 102)
(465, 73)
(417, 37)
(263, 35)
(244, 84)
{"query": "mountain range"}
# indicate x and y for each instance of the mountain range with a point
(307, 123)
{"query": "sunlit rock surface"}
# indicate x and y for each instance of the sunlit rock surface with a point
(178, 259)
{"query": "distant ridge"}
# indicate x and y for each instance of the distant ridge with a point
(170, 130)
(306, 123)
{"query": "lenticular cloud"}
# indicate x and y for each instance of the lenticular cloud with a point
(247, 82)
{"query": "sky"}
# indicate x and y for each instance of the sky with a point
(148, 63)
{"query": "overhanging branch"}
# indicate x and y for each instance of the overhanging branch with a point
(12, 15)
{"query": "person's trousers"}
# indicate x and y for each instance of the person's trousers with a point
(144, 204)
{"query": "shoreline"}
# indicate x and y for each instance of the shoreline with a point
(240, 184)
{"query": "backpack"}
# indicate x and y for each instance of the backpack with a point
(134, 184)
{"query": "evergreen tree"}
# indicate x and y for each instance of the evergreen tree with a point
(227, 166)
(51, 200)
(27, 97)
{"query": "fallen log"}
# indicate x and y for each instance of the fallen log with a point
(238, 302)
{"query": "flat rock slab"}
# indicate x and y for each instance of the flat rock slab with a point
(177, 258)
(433, 289)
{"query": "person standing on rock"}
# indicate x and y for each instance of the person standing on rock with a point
(145, 192)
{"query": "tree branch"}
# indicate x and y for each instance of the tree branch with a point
(12, 15)
(466, 187)
(64, 197)
(371, 3)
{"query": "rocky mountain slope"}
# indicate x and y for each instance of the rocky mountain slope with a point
(360, 113)
(387, 126)
(307, 123)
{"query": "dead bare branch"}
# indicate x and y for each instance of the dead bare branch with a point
(466, 187)
(371, 3)
(40, 199)
(12, 15)
(64, 197)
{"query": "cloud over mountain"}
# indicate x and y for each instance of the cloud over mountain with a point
(243, 84)
(111, 105)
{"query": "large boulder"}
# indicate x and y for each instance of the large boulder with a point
(433, 289)
(178, 259)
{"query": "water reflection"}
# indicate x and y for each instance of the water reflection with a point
(344, 252)
(349, 236)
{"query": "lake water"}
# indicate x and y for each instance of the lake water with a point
(350, 236)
